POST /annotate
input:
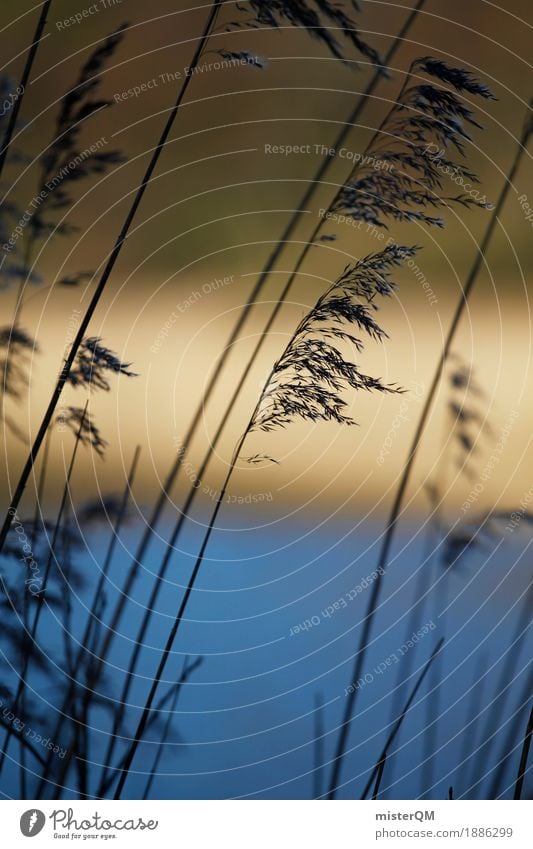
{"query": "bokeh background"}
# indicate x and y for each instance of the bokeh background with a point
(307, 528)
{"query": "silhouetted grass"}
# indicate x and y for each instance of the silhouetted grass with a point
(377, 773)
(392, 523)
(104, 278)
(24, 79)
(348, 301)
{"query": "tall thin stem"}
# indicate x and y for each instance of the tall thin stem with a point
(94, 615)
(152, 603)
(31, 637)
(507, 747)
(395, 513)
(151, 606)
(115, 253)
(313, 186)
(398, 724)
(379, 777)
(25, 620)
(145, 716)
(318, 748)
(508, 671)
(10, 129)
(185, 675)
(524, 758)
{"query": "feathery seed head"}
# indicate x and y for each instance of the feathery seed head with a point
(315, 18)
(93, 361)
(309, 379)
(412, 143)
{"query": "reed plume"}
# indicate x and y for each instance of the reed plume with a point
(317, 19)
(64, 165)
(175, 467)
(309, 378)
(394, 516)
(93, 363)
(348, 301)
(355, 212)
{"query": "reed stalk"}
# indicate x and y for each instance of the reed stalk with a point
(396, 509)
(24, 79)
(320, 374)
(100, 288)
(380, 764)
(522, 767)
(193, 492)
(508, 747)
(151, 606)
(94, 615)
(185, 675)
(285, 238)
(371, 199)
(31, 637)
(318, 749)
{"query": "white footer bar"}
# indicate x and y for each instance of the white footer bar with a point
(268, 824)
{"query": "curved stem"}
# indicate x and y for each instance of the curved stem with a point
(177, 622)
(93, 614)
(31, 637)
(286, 236)
(151, 605)
(41, 23)
(524, 758)
(395, 513)
(375, 775)
(115, 253)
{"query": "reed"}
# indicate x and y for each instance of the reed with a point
(395, 513)
(76, 371)
(464, 426)
(318, 749)
(174, 469)
(31, 637)
(104, 278)
(306, 382)
(24, 79)
(377, 772)
(64, 166)
(377, 202)
(185, 675)
(95, 613)
(522, 767)
(508, 746)
(90, 371)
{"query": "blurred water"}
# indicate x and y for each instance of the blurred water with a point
(245, 722)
